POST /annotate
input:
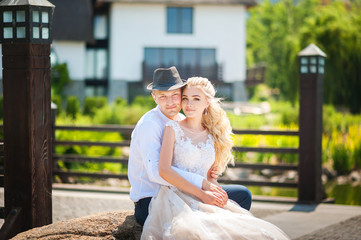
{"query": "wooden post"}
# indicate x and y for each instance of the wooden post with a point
(310, 189)
(25, 34)
(27, 132)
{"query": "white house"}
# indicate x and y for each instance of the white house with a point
(199, 37)
(112, 47)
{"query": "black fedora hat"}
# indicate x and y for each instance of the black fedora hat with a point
(165, 79)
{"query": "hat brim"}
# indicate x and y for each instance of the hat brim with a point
(166, 88)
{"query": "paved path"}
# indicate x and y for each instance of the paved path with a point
(301, 222)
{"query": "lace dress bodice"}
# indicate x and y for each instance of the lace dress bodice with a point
(190, 156)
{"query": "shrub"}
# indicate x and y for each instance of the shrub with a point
(121, 102)
(59, 78)
(72, 107)
(91, 104)
(289, 116)
(144, 101)
(57, 100)
(341, 159)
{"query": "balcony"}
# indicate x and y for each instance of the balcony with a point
(213, 73)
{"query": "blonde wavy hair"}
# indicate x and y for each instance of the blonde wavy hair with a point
(216, 122)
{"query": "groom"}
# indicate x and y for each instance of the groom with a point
(146, 143)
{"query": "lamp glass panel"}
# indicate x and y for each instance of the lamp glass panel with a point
(304, 60)
(8, 16)
(44, 17)
(321, 69)
(304, 69)
(321, 60)
(313, 69)
(20, 16)
(313, 60)
(20, 32)
(8, 32)
(36, 16)
(36, 32)
(45, 33)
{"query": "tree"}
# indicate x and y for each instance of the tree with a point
(277, 32)
(336, 29)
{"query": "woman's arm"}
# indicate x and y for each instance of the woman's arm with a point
(171, 176)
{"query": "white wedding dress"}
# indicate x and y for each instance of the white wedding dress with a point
(174, 214)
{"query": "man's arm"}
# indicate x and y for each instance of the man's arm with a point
(150, 145)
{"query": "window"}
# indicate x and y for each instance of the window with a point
(100, 27)
(96, 65)
(189, 61)
(179, 20)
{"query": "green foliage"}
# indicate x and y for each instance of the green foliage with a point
(145, 101)
(93, 103)
(56, 99)
(59, 78)
(72, 107)
(120, 102)
(341, 159)
(277, 32)
(335, 28)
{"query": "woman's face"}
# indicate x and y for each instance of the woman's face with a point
(194, 101)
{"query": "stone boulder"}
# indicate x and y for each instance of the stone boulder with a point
(111, 225)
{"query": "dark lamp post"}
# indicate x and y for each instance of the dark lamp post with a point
(312, 60)
(26, 21)
(25, 37)
(312, 69)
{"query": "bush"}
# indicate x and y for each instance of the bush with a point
(121, 102)
(144, 101)
(91, 104)
(290, 116)
(72, 107)
(59, 78)
(341, 159)
(56, 99)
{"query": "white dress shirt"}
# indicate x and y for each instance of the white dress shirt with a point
(144, 153)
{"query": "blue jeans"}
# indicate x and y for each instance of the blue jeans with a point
(238, 193)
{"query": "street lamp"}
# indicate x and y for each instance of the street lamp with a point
(25, 37)
(26, 21)
(312, 69)
(312, 60)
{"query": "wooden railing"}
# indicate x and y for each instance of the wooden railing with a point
(124, 159)
(126, 130)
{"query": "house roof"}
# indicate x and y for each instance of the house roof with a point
(43, 3)
(72, 20)
(248, 3)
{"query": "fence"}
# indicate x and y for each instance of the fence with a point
(63, 174)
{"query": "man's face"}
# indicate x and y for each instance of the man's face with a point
(169, 102)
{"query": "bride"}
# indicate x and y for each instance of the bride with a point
(197, 144)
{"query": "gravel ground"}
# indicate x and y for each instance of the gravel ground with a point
(346, 230)
(74, 204)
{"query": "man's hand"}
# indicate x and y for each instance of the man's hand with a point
(210, 187)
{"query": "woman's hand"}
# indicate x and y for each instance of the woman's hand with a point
(213, 188)
(213, 198)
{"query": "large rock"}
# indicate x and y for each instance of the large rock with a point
(111, 225)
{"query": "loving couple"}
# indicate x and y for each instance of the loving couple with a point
(174, 162)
